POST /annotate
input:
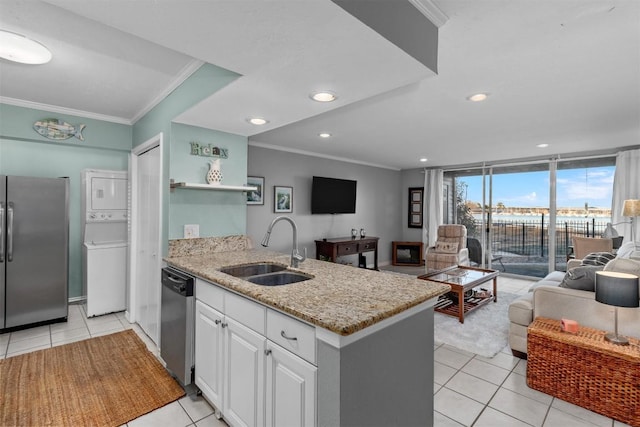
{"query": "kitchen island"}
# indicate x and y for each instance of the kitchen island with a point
(363, 342)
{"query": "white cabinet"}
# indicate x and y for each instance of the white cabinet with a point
(251, 380)
(209, 352)
(291, 389)
(243, 402)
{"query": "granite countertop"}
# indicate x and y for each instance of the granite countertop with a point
(340, 298)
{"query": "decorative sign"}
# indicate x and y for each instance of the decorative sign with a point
(198, 149)
(58, 130)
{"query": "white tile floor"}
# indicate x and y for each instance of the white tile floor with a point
(470, 390)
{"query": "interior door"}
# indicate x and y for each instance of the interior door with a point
(148, 211)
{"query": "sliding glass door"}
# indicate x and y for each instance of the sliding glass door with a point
(525, 215)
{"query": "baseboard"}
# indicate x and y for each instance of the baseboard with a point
(77, 300)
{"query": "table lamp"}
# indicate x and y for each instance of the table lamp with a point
(631, 208)
(619, 290)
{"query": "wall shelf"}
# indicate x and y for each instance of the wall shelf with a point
(173, 185)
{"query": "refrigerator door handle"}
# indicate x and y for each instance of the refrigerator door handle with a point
(1, 231)
(10, 232)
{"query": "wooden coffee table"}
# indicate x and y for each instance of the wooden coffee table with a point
(463, 279)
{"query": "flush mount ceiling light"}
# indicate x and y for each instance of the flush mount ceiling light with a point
(258, 121)
(18, 48)
(542, 145)
(477, 97)
(323, 96)
(423, 159)
(324, 135)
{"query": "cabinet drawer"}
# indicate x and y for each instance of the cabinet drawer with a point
(293, 335)
(210, 294)
(247, 312)
(349, 248)
(368, 246)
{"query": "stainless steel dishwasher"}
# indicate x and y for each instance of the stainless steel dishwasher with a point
(177, 319)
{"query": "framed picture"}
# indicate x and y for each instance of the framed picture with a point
(416, 195)
(282, 199)
(255, 197)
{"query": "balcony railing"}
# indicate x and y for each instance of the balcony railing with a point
(527, 241)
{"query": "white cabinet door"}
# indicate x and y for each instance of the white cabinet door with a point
(291, 389)
(209, 353)
(244, 376)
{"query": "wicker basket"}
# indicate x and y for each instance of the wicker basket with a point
(585, 370)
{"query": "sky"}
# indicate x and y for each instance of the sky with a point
(574, 188)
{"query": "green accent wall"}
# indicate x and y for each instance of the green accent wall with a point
(207, 80)
(108, 145)
(219, 213)
(24, 152)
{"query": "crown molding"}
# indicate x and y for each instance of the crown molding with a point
(63, 110)
(323, 156)
(183, 75)
(429, 9)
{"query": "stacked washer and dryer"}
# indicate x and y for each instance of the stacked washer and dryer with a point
(105, 240)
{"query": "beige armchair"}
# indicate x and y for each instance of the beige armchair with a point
(583, 246)
(450, 248)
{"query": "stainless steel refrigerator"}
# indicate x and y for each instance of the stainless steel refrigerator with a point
(34, 240)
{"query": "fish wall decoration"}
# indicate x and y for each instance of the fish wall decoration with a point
(58, 130)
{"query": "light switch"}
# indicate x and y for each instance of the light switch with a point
(191, 231)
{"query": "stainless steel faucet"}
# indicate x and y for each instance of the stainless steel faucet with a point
(296, 258)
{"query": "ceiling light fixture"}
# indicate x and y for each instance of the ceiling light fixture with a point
(323, 96)
(18, 48)
(423, 159)
(542, 145)
(477, 97)
(324, 135)
(258, 121)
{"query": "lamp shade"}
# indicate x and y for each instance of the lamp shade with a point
(631, 207)
(617, 289)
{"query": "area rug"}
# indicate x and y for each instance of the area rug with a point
(485, 331)
(102, 381)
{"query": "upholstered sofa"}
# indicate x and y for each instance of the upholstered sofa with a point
(547, 298)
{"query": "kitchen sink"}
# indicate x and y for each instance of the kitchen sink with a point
(265, 274)
(278, 278)
(247, 270)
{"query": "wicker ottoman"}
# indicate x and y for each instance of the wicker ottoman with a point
(585, 370)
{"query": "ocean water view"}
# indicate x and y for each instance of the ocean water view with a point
(529, 218)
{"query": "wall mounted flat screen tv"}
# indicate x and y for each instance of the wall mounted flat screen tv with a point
(333, 196)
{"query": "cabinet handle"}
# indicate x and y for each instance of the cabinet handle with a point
(224, 325)
(217, 321)
(283, 335)
(267, 352)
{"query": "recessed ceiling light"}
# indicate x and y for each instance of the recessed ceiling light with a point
(423, 159)
(323, 96)
(542, 145)
(477, 97)
(324, 135)
(258, 121)
(18, 48)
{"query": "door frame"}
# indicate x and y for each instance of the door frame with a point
(155, 141)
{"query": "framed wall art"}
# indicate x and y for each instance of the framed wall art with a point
(416, 195)
(255, 197)
(282, 199)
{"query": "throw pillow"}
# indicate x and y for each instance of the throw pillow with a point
(624, 265)
(582, 278)
(597, 258)
(447, 247)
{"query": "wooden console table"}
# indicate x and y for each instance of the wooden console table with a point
(339, 246)
(585, 369)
